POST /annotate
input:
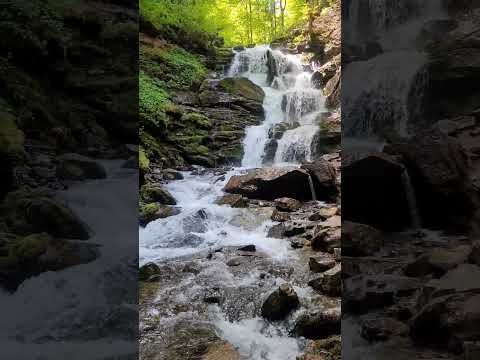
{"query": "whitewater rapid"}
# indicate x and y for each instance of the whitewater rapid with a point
(203, 225)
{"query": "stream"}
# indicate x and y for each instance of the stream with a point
(199, 245)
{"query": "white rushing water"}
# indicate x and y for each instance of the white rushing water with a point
(290, 98)
(62, 314)
(201, 224)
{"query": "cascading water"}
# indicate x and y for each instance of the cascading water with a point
(385, 91)
(290, 98)
(202, 225)
(62, 314)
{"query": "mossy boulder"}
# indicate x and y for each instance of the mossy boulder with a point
(78, 167)
(23, 257)
(155, 193)
(154, 211)
(243, 87)
(33, 212)
(147, 271)
(11, 137)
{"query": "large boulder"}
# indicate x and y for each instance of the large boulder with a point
(448, 321)
(232, 91)
(156, 193)
(360, 239)
(23, 257)
(319, 325)
(375, 189)
(280, 303)
(78, 167)
(154, 211)
(34, 212)
(439, 170)
(323, 178)
(271, 183)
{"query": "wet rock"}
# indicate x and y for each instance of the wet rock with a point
(448, 321)
(276, 131)
(24, 257)
(78, 167)
(463, 278)
(364, 293)
(238, 91)
(156, 193)
(280, 303)
(222, 351)
(170, 174)
(234, 200)
(332, 91)
(237, 261)
(446, 198)
(248, 248)
(324, 349)
(323, 214)
(272, 67)
(154, 211)
(323, 178)
(381, 329)
(438, 261)
(131, 163)
(318, 325)
(271, 183)
(269, 151)
(475, 254)
(330, 282)
(287, 229)
(360, 239)
(280, 216)
(34, 212)
(326, 239)
(239, 48)
(321, 264)
(382, 203)
(147, 271)
(287, 204)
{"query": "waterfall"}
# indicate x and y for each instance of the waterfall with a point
(312, 188)
(289, 98)
(384, 92)
(415, 220)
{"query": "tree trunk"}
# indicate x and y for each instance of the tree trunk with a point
(283, 5)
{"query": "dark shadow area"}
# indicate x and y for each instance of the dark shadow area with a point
(68, 203)
(410, 135)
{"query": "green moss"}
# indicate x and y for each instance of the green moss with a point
(144, 163)
(197, 120)
(242, 87)
(178, 69)
(24, 249)
(11, 138)
(147, 210)
(195, 149)
(153, 99)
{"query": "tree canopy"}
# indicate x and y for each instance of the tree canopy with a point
(237, 21)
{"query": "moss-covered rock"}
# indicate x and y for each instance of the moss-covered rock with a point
(155, 193)
(243, 87)
(197, 120)
(11, 137)
(153, 211)
(23, 257)
(147, 271)
(33, 211)
(78, 167)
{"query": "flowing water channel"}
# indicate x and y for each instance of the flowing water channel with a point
(202, 227)
(63, 314)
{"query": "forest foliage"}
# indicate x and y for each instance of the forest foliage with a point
(239, 22)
